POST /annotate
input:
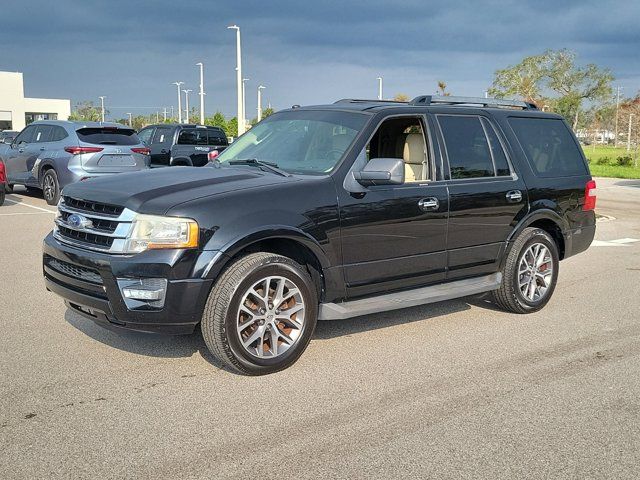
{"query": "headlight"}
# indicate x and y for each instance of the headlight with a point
(150, 232)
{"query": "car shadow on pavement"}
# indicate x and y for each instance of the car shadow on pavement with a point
(177, 346)
(628, 183)
(147, 344)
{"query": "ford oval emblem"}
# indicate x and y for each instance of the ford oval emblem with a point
(78, 222)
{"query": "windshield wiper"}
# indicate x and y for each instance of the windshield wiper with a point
(272, 167)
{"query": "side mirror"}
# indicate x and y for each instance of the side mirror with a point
(381, 171)
(7, 140)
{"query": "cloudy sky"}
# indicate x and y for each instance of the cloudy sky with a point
(304, 51)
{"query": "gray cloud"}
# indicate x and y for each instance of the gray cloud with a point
(305, 52)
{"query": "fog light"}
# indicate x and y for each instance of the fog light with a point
(143, 292)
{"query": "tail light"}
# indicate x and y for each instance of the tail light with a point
(81, 150)
(212, 155)
(589, 196)
(141, 150)
(2, 174)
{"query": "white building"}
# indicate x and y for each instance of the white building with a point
(16, 110)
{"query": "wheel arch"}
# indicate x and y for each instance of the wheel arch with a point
(43, 166)
(550, 222)
(181, 162)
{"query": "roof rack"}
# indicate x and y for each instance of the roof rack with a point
(364, 100)
(485, 102)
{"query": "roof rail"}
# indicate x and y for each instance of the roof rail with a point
(485, 102)
(364, 100)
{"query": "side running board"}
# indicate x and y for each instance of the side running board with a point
(409, 298)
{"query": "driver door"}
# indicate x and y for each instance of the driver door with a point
(394, 236)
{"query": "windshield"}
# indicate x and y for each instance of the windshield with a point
(308, 142)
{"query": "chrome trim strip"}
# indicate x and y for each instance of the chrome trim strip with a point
(126, 215)
(121, 231)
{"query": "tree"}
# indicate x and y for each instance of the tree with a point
(86, 112)
(267, 112)
(522, 80)
(556, 71)
(401, 97)
(217, 120)
(442, 87)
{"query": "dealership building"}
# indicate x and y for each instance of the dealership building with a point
(16, 110)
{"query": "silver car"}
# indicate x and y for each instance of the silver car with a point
(48, 155)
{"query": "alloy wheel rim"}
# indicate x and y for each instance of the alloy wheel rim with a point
(535, 272)
(270, 317)
(48, 187)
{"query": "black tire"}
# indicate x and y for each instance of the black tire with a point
(8, 188)
(2, 194)
(509, 296)
(219, 320)
(52, 194)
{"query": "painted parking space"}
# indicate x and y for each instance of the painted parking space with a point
(16, 204)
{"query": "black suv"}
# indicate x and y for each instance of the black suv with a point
(329, 212)
(183, 144)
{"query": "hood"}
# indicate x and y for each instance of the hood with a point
(155, 191)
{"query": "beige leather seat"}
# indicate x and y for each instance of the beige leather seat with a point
(413, 156)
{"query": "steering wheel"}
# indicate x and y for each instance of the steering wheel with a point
(333, 155)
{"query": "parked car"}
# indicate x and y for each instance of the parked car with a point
(183, 144)
(7, 136)
(329, 212)
(3, 181)
(48, 155)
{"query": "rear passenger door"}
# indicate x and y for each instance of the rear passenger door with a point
(486, 196)
(160, 146)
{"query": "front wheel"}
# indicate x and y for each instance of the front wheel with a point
(530, 272)
(260, 314)
(51, 187)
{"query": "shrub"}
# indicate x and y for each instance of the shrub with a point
(603, 161)
(625, 161)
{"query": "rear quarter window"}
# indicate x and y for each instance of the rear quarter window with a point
(549, 146)
(108, 136)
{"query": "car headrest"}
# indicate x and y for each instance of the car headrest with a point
(413, 149)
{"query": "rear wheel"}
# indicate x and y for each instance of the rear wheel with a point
(1, 194)
(50, 187)
(530, 273)
(260, 314)
(9, 187)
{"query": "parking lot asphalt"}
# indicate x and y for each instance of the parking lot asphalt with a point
(452, 390)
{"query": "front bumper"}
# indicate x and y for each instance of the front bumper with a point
(88, 283)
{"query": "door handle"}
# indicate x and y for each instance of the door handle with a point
(163, 151)
(21, 150)
(514, 196)
(429, 204)
(42, 149)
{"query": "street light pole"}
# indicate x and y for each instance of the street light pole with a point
(164, 114)
(186, 104)
(629, 133)
(244, 102)
(102, 107)
(260, 87)
(241, 127)
(129, 113)
(201, 92)
(178, 84)
(615, 141)
(379, 88)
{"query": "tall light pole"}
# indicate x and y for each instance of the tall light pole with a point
(244, 102)
(164, 114)
(615, 140)
(260, 87)
(130, 122)
(241, 127)
(629, 133)
(178, 84)
(201, 92)
(186, 104)
(102, 107)
(379, 88)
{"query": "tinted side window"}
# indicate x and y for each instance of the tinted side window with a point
(42, 134)
(216, 137)
(58, 134)
(193, 136)
(26, 135)
(549, 146)
(162, 135)
(467, 147)
(145, 135)
(499, 157)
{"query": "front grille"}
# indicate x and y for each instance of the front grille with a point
(108, 226)
(75, 271)
(86, 237)
(92, 225)
(93, 207)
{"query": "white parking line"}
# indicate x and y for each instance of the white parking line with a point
(27, 205)
(22, 213)
(620, 242)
